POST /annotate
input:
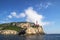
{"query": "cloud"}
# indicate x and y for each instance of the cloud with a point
(33, 16)
(44, 5)
(14, 14)
(22, 15)
(30, 15)
(48, 4)
(9, 16)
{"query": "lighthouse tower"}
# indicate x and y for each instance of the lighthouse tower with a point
(36, 24)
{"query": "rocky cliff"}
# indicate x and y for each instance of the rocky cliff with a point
(21, 28)
(31, 28)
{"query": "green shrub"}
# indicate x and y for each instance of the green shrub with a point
(12, 28)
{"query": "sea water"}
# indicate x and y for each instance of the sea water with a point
(31, 37)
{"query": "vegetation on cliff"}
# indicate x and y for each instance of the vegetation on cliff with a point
(9, 27)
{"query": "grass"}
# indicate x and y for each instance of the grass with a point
(12, 28)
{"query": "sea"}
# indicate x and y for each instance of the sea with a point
(31, 37)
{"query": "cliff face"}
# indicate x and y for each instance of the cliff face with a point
(31, 30)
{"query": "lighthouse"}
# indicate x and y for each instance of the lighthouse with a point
(36, 24)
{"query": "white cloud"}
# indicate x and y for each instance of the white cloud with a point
(48, 4)
(14, 14)
(31, 16)
(9, 16)
(22, 15)
(44, 5)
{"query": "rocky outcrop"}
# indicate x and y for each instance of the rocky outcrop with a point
(24, 25)
(8, 32)
(31, 30)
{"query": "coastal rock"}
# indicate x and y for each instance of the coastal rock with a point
(40, 30)
(8, 32)
(24, 25)
(32, 30)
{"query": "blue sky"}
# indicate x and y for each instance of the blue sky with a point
(46, 12)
